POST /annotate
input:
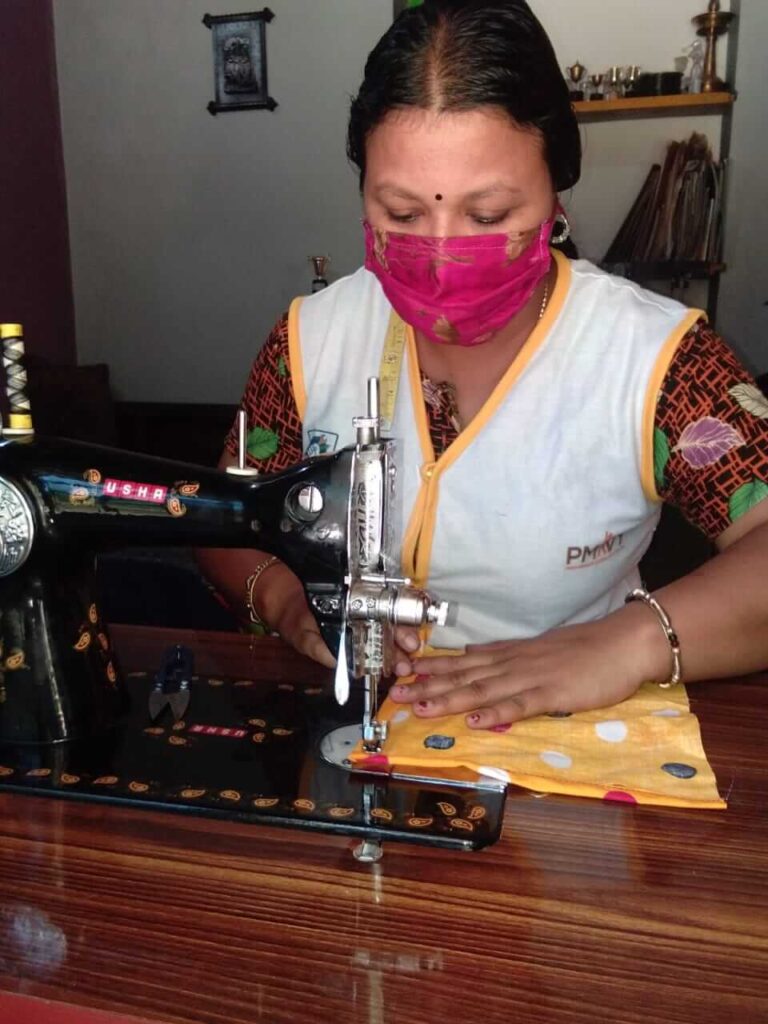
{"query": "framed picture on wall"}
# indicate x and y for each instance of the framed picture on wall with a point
(240, 61)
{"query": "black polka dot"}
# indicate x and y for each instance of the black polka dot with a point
(437, 742)
(679, 771)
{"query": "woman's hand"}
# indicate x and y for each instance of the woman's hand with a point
(573, 668)
(279, 599)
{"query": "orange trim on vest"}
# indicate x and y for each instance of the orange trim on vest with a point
(411, 537)
(417, 551)
(296, 367)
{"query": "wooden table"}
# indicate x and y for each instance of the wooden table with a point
(584, 911)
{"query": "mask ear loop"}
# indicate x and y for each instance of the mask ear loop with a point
(564, 234)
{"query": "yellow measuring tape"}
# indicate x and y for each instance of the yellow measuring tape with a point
(390, 369)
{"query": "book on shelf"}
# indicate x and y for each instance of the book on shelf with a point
(676, 216)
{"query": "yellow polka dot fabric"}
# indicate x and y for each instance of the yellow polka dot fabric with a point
(645, 750)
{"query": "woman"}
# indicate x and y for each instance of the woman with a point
(546, 408)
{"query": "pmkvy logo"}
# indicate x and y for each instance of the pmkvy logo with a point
(582, 557)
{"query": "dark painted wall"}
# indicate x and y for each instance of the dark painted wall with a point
(35, 273)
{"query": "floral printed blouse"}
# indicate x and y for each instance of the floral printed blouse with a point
(710, 437)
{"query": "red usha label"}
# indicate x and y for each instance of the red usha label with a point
(218, 730)
(131, 490)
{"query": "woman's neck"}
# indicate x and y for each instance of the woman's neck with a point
(486, 363)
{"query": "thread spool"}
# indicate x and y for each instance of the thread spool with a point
(20, 412)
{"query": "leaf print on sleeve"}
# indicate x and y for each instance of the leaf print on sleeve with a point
(750, 398)
(661, 455)
(262, 443)
(746, 497)
(704, 442)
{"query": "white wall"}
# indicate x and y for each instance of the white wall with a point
(743, 316)
(190, 233)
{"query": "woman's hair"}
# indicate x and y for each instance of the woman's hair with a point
(455, 55)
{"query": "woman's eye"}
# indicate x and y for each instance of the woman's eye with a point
(402, 218)
(496, 218)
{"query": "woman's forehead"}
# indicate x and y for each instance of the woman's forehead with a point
(480, 152)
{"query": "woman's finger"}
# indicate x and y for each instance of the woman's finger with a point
(407, 639)
(525, 704)
(435, 699)
(304, 635)
(450, 664)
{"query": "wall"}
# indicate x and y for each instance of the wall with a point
(35, 278)
(190, 233)
(618, 154)
(744, 296)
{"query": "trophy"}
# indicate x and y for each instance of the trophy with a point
(711, 25)
(576, 73)
(615, 77)
(596, 87)
(631, 74)
(319, 264)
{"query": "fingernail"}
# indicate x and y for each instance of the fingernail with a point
(402, 668)
(398, 691)
(411, 643)
(473, 719)
(421, 679)
(422, 705)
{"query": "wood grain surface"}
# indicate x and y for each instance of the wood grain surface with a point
(584, 911)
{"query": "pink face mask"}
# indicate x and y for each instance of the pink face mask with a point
(459, 291)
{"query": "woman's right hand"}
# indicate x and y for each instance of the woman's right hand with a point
(279, 599)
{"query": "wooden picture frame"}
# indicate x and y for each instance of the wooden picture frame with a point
(240, 61)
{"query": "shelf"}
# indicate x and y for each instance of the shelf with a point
(654, 106)
(693, 270)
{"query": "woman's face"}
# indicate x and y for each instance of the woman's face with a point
(451, 174)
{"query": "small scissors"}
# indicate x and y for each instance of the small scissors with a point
(172, 683)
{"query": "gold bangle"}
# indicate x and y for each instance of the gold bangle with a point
(249, 584)
(669, 633)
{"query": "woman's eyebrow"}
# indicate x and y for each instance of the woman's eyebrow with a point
(494, 189)
(395, 190)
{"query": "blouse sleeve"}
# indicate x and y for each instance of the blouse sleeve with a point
(274, 426)
(711, 434)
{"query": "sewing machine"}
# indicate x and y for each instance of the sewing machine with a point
(65, 712)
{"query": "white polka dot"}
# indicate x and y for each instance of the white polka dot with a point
(612, 731)
(555, 759)
(495, 773)
(667, 713)
(400, 716)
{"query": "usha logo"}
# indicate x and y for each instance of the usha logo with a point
(134, 491)
(581, 557)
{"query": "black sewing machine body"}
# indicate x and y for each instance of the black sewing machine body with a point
(72, 725)
(61, 502)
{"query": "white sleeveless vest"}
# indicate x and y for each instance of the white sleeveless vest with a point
(538, 514)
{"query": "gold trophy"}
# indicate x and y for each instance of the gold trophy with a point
(712, 25)
(319, 265)
(596, 86)
(576, 73)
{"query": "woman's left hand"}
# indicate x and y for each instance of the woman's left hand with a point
(573, 668)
